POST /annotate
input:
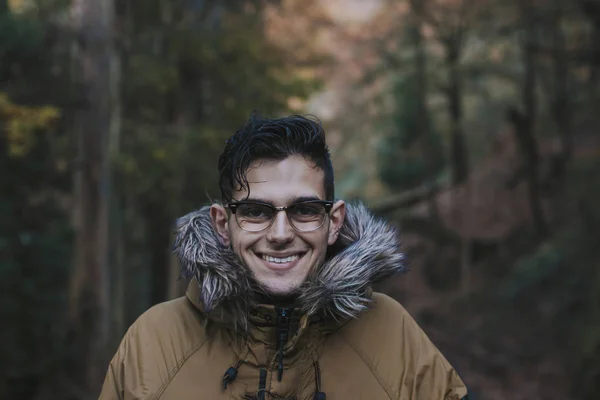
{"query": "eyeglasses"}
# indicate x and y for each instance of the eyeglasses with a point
(304, 216)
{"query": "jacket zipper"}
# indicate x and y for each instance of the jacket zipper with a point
(262, 384)
(283, 328)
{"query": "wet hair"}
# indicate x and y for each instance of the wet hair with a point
(273, 139)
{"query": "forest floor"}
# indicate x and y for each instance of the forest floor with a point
(503, 347)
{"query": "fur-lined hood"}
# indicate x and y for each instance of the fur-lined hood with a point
(367, 251)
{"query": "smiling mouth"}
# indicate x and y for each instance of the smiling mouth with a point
(280, 260)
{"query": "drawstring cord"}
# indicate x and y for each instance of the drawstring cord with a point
(318, 394)
(231, 374)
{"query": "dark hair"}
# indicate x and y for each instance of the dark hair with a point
(273, 139)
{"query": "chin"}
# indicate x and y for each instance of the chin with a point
(279, 291)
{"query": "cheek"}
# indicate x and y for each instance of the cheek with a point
(235, 240)
(319, 244)
(241, 242)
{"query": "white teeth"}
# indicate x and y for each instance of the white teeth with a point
(280, 260)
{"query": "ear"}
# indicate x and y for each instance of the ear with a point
(336, 217)
(220, 222)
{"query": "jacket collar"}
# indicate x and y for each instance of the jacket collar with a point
(367, 251)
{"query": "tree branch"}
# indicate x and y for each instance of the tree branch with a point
(408, 198)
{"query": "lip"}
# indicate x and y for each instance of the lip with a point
(280, 267)
(283, 255)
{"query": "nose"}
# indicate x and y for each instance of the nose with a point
(280, 231)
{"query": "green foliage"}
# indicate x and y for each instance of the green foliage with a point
(533, 269)
(187, 88)
(187, 83)
(412, 153)
(35, 255)
(562, 273)
(189, 80)
(22, 38)
(21, 122)
(35, 233)
(569, 258)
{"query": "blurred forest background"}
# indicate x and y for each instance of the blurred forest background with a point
(472, 124)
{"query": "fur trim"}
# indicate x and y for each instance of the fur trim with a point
(367, 251)
(223, 280)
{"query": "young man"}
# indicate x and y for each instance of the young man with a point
(279, 304)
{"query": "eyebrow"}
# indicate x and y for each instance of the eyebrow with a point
(295, 200)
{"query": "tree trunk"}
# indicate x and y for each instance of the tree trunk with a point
(594, 15)
(421, 78)
(593, 87)
(524, 124)
(591, 10)
(561, 109)
(459, 155)
(119, 271)
(420, 73)
(161, 263)
(89, 301)
(118, 213)
(158, 225)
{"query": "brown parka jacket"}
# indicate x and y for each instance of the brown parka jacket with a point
(340, 341)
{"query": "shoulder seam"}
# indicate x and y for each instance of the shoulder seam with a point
(177, 367)
(391, 394)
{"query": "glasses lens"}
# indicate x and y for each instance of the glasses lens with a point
(307, 216)
(253, 217)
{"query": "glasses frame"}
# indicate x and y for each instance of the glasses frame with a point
(234, 205)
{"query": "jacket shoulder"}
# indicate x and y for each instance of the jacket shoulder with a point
(154, 348)
(400, 354)
(389, 321)
(173, 320)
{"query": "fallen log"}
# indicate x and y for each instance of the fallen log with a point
(407, 199)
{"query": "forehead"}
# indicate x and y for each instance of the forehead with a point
(280, 182)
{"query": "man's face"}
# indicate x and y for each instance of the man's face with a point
(280, 183)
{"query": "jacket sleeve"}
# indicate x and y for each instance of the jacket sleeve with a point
(436, 379)
(433, 377)
(113, 387)
(441, 382)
